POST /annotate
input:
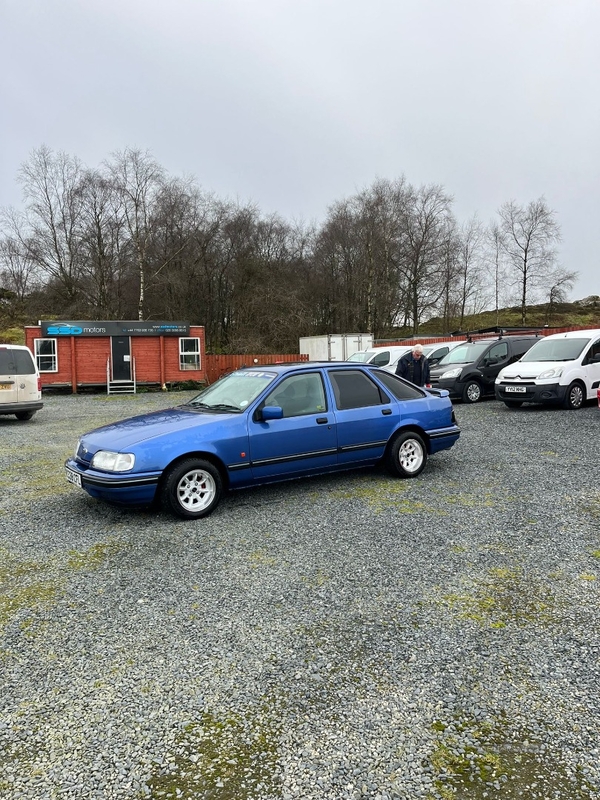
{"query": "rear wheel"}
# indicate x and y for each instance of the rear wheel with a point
(192, 488)
(472, 392)
(575, 396)
(407, 455)
(23, 415)
(513, 403)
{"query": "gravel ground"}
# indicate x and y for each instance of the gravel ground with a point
(351, 636)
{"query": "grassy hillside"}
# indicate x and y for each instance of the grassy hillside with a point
(582, 313)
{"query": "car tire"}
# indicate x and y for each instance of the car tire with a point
(513, 403)
(406, 455)
(24, 415)
(575, 396)
(472, 393)
(191, 489)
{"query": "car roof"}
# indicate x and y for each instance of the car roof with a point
(589, 333)
(294, 366)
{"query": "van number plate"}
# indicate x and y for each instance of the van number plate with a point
(73, 477)
(6, 386)
(517, 389)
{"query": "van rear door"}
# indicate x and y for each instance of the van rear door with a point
(9, 392)
(26, 376)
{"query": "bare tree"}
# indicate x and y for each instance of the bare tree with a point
(561, 284)
(529, 235)
(137, 178)
(428, 222)
(49, 231)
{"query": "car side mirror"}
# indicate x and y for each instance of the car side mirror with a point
(272, 412)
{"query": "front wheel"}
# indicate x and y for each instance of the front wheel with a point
(407, 455)
(575, 396)
(192, 489)
(472, 392)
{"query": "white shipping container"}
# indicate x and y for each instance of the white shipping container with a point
(334, 346)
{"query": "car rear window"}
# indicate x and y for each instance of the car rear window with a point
(402, 390)
(7, 364)
(24, 362)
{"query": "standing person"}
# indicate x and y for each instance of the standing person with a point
(414, 367)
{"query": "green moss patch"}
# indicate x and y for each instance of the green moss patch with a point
(505, 595)
(222, 758)
(473, 760)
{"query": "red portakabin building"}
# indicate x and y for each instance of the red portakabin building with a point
(118, 354)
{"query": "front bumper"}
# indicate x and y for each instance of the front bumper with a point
(550, 393)
(123, 488)
(452, 386)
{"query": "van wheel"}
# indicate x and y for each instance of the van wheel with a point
(191, 489)
(472, 392)
(513, 403)
(407, 455)
(575, 396)
(23, 415)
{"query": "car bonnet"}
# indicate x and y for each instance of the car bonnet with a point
(123, 434)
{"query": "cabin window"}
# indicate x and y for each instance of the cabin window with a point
(189, 353)
(45, 355)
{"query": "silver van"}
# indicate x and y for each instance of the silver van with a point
(20, 384)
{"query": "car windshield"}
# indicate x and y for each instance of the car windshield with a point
(464, 353)
(363, 357)
(233, 392)
(555, 350)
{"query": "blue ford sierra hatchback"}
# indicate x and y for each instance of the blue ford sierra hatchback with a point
(261, 425)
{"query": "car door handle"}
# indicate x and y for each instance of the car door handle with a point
(386, 411)
(322, 420)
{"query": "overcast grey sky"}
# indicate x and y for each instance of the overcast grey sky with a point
(295, 104)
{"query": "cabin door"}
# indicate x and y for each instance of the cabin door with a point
(121, 358)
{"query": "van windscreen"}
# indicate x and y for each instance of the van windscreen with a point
(555, 350)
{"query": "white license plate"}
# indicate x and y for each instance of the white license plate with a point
(73, 477)
(517, 389)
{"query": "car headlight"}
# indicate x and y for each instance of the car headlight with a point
(113, 462)
(452, 373)
(555, 372)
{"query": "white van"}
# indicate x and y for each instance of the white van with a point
(20, 384)
(561, 369)
(381, 356)
(388, 357)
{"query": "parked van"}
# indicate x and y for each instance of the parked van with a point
(561, 369)
(20, 384)
(381, 356)
(388, 357)
(469, 370)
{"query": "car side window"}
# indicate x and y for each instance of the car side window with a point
(402, 390)
(593, 353)
(354, 389)
(298, 395)
(497, 353)
(381, 359)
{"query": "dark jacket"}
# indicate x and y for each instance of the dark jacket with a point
(415, 370)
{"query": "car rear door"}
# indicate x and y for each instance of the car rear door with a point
(365, 416)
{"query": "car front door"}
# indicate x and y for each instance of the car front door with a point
(303, 440)
(491, 364)
(591, 369)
